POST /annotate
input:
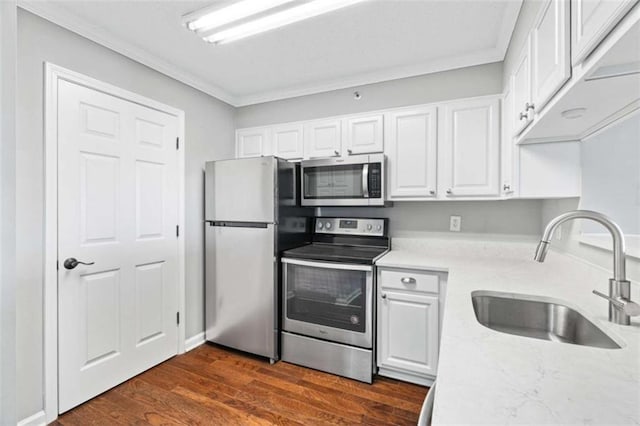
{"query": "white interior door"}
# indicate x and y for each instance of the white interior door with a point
(117, 208)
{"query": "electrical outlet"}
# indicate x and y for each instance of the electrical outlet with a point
(455, 223)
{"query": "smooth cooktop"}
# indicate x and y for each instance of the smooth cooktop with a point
(343, 253)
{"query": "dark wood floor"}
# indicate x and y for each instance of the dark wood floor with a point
(215, 386)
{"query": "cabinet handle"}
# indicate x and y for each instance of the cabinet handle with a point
(432, 192)
(336, 153)
(506, 187)
(524, 116)
(408, 280)
(349, 152)
(384, 296)
(529, 106)
(449, 191)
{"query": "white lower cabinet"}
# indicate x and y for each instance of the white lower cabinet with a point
(408, 325)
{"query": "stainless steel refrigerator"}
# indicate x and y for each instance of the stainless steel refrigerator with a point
(252, 214)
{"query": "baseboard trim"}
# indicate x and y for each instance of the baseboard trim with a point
(38, 419)
(194, 341)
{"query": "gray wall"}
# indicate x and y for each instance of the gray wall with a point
(7, 213)
(461, 83)
(209, 135)
(514, 217)
(611, 175)
(619, 197)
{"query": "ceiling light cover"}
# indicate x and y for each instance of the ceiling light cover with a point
(279, 19)
(232, 13)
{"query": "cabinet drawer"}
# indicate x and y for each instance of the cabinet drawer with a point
(409, 280)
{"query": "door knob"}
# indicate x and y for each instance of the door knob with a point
(72, 262)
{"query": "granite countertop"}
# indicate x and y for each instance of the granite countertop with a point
(488, 377)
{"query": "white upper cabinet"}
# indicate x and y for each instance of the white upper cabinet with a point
(323, 138)
(252, 142)
(550, 64)
(363, 135)
(591, 21)
(411, 142)
(287, 141)
(521, 88)
(508, 149)
(469, 148)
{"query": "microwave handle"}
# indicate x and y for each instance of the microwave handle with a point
(365, 180)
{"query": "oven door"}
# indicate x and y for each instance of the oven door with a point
(330, 301)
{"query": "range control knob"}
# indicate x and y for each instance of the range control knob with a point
(379, 228)
(327, 225)
(369, 227)
(320, 225)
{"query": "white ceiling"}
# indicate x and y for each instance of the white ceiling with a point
(369, 42)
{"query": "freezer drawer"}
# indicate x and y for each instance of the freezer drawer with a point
(241, 286)
(241, 190)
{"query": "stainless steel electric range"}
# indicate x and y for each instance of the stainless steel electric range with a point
(328, 297)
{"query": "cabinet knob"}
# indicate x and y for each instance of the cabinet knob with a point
(449, 191)
(384, 296)
(529, 106)
(524, 116)
(432, 192)
(349, 152)
(336, 153)
(506, 187)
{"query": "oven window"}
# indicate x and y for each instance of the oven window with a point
(330, 297)
(334, 182)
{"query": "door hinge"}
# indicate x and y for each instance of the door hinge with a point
(178, 318)
(177, 230)
(177, 143)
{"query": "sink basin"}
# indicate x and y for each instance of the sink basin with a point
(528, 316)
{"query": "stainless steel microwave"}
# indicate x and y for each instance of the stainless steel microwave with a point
(357, 180)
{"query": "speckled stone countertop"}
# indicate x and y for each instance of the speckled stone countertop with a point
(488, 377)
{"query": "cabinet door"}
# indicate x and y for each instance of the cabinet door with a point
(408, 332)
(323, 139)
(591, 21)
(521, 80)
(287, 141)
(252, 142)
(507, 145)
(364, 135)
(470, 148)
(550, 64)
(411, 153)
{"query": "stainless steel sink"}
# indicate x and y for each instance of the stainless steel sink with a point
(523, 315)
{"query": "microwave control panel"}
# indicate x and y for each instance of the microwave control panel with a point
(350, 226)
(375, 180)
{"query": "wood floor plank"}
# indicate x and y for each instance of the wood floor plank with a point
(212, 385)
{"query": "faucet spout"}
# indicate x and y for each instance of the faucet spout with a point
(619, 287)
(619, 255)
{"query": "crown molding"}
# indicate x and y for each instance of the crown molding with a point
(508, 24)
(53, 13)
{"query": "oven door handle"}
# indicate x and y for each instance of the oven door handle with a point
(326, 265)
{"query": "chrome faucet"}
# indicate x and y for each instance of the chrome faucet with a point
(621, 308)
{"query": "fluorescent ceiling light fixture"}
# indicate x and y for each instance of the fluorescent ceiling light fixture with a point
(203, 21)
(278, 19)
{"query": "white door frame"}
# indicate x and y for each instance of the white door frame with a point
(53, 74)
(8, 59)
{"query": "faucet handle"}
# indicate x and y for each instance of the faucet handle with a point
(627, 306)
